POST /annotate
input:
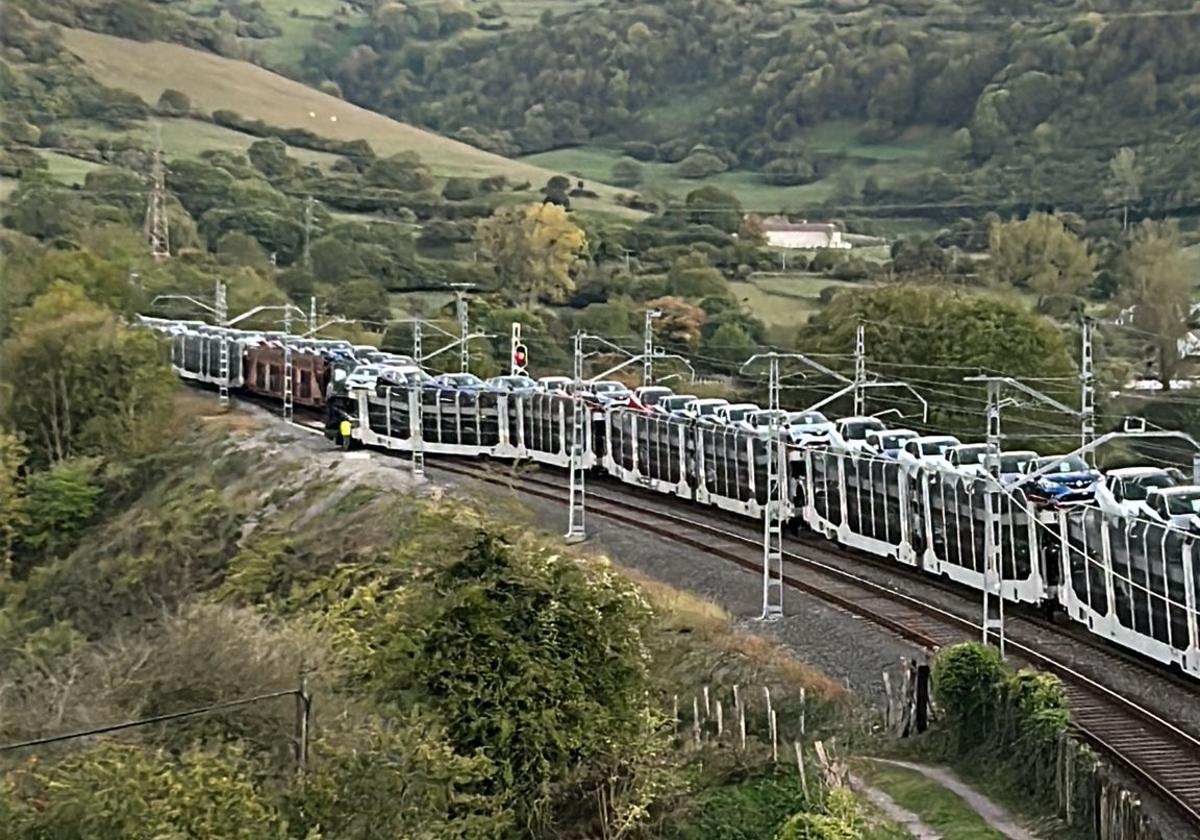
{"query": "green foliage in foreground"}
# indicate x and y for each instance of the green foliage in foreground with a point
(1013, 720)
(116, 790)
(531, 661)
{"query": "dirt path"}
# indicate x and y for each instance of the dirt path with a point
(901, 816)
(994, 815)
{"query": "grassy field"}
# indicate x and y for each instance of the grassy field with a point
(187, 138)
(908, 154)
(213, 82)
(68, 169)
(784, 302)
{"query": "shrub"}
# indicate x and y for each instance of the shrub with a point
(700, 165)
(174, 102)
(626, 173)
(118, 790)
(966, 679)
(460, 189)
(59, 503)
(528, 656)
(640, 150)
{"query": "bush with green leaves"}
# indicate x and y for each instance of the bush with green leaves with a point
(529, 658)
(966, 680)
(121, 790)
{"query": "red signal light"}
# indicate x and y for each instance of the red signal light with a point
(520, 355)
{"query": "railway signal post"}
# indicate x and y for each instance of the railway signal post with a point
(520, 353)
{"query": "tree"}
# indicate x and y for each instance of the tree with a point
(1041, 255)
(460, 189)
(1154, 281)
(714, 206)
(12, 508)
(88, 384)
(693, 278)
(938, 333)
(270, 157)
(535, 248)
(174, 102)
(1126, 177)
(626, 173)
(362, 299)
(700, 164)
(680, 322)
(730, 342)
(402, 171)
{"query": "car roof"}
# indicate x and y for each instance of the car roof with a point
(740, 405)
(905, 432)
(936, 438)
(1023, 453)
(1135, 472)
(712, 400)
(1181, 490)
(859, 418)
(554, 379)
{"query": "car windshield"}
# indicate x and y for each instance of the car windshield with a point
(973, 454)
(1072, 464)
(892, 441)
(1014, 463)
(859, 430)
(764, 418)
(652, 397)
(738, 414)
(707, 409)
(363, 372)
(462, 380)
(1137, 489)
(1182, 504)
(806, 418)
(937, 447)
(676, 403)
(608, 387)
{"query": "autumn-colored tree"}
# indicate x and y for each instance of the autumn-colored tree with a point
(1154, 283)
(535, 248)
(680, 322)
(1041, 255)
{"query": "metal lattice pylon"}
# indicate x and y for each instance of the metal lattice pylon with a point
(157, 231)
(774, 508)
(288, 403)
(416, 433)
(221, 313)
(576, 517)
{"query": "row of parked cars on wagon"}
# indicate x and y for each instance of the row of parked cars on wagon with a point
(1053, 480)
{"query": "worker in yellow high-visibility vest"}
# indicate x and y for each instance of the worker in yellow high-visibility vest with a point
(344, 430)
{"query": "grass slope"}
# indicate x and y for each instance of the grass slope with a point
(213, 82)
(914, 151)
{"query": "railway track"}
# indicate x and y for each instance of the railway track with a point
(1162, 756)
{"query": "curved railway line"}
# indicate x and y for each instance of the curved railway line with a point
(1164, 757)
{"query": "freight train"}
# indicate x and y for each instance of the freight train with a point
(1131, 581)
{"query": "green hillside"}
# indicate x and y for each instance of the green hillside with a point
(213, 82)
